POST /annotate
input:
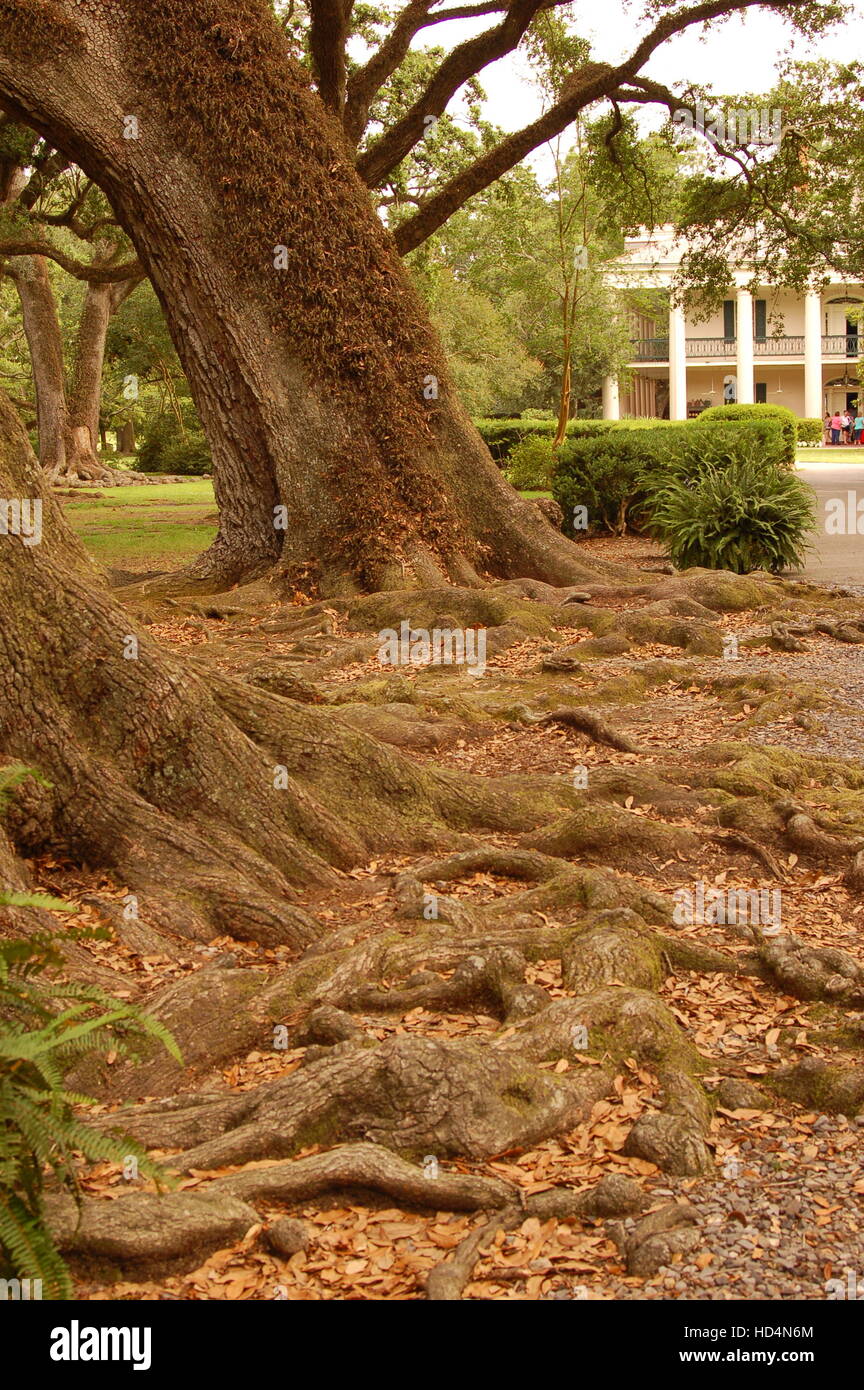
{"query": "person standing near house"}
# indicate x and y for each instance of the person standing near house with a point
(858, 427)
(845, 422)
(836, 427)
(826, 428)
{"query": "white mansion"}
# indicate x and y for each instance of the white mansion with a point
(777, 346)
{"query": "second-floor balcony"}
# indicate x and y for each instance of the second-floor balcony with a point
(843, 345)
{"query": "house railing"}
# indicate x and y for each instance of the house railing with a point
(841, 345)
(782, 345)
(710, 347)
(649, 349)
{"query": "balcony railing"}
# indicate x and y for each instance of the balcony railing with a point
(649, 349)
(783, 345)
(841, 345)
(710, 347)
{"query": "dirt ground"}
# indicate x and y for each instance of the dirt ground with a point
(774, 1210)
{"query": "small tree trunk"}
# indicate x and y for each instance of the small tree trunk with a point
(126, 438)
(86, 394)
(563, 406)
(101, 301)
(45, 342)
(65, 441)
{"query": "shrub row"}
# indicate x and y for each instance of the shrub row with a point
(787, 421)
(503, 436)
(616, 477)
(717, 492)
(810, 431)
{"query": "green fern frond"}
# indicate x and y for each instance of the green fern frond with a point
(39, 1131)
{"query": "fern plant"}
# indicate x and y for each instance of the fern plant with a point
(749, 515)
(40, 1133)
(47, 1024)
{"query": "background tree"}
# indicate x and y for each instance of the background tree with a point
(538, 257)
(51, 212)
(790, 206)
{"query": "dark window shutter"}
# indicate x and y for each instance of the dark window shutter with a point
(761, 318)
(761, 393)
(728, 319)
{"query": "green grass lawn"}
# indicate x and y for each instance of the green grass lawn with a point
(830, 454)
(141, 528)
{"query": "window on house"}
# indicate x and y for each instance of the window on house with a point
(761, 393)
(761, 306)
(729, 319)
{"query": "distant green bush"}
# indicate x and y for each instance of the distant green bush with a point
(810, 430)
(530, 463)
(787, 420)
(502, 436)
(603, 476)
(164, 450)
(752, 514)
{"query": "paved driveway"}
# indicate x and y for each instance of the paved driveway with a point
(837, 559)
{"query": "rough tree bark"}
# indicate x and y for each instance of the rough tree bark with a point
(139, 758)
(312, 362)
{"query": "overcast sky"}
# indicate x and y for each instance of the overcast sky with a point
(736, 56)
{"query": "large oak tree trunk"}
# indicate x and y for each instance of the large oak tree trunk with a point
(147, 776)
(312, 362)
(213, 801)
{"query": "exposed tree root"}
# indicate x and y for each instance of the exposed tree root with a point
(613, 1196)
(416, 1095)
(672, 1230)
(236, 806)
(810, 972)
(374, 1169)
(764, 856)
(147, 1236)
(802, 833)
(591, 724)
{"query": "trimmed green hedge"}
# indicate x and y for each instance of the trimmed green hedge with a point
(810, 430)
(616, 477)
(502, 436)
(604, 477)
(529, 465)
(787, 420)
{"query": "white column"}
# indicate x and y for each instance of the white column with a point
(611, 400)
(813, 406)
(744, 335)
(677, 363)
